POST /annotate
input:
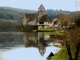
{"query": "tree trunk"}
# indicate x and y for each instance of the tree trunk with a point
(77, 50)
(69, 51)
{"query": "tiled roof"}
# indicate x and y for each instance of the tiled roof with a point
(31, 16)
(28, 16)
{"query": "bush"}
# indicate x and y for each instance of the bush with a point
(29, 28)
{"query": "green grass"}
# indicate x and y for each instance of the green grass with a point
(46, 29)
(47, 32)
(61, 55)
(57, 32)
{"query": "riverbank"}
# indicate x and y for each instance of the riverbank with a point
(63, 55)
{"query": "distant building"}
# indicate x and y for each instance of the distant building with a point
(56, 23)
(29, 19)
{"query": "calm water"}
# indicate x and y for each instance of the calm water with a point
(25, 46)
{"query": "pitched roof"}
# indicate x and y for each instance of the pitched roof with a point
(41, 7)
(28, 16)
(31, 16)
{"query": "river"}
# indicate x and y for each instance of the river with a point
(26, 46)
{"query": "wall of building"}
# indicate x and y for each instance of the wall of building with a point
(32, 22)
(50, 24)
(24, 21)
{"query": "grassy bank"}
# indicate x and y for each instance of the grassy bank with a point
(63, 55)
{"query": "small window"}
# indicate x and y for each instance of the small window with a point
(41, 22)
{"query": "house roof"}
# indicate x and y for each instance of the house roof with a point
(28, 16)
(55, 19)
(31, 17)
(45, 18)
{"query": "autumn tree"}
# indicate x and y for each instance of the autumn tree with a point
(73, 40)
(76, 19)
(65, 19)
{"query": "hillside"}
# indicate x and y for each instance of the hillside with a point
(13, 13)
(16, 13)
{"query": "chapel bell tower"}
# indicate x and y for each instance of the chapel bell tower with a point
(41, 11)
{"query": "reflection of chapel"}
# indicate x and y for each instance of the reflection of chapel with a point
(30, 40)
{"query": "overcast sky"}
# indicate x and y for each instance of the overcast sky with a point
(34, 4)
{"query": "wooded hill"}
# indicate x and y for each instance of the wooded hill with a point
(13, 13)
(16, 13)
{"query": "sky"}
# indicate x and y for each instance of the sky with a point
(67, 5)
(27, 53)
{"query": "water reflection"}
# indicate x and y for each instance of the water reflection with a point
(25, 46)
(10, 40)
(37, 40)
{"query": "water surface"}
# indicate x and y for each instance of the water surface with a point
(25, 46)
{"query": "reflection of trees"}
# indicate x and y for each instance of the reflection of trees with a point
(30, 39)
(8, 41)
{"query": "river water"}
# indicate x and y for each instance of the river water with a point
(26, 46)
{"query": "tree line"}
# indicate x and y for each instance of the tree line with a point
(9, 26)
(72, 37)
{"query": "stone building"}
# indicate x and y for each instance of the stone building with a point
(41, 19)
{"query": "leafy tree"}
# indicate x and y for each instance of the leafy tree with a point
(10, 16)
(65, 19)
(72, 43)
(77, 19)
(44, 18)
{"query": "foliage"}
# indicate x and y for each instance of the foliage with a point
(72, 26)
(77, 19)
(65, 19)
(15, 13)
(72, 46)
(44, 18)
(61, 55)
(60, 33)
(73, 38)
(6, 25)
(29, 28)
(55, 13)
(73, 35)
